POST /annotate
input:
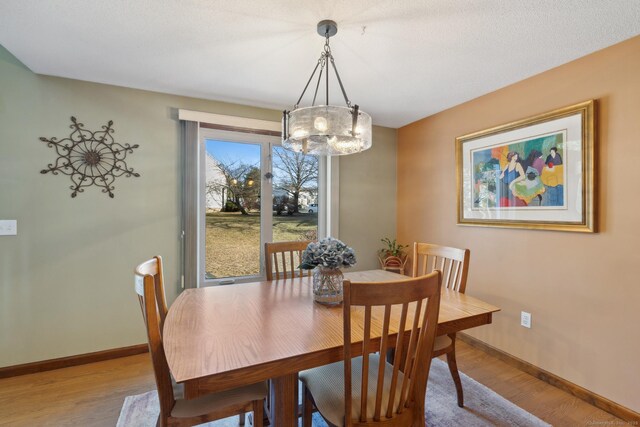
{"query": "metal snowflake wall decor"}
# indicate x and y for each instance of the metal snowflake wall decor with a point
(90, 158)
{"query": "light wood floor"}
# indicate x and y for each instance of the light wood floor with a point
(92, 395)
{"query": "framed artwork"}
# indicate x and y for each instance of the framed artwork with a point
(536, 173)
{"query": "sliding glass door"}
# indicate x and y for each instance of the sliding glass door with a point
(232, 209)
(295, 195)
(252, 191)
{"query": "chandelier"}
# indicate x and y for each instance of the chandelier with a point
(326, 129)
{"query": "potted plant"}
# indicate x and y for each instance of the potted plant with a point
(392, 257)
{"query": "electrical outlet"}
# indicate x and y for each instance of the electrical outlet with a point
(8, 227)
(525, 319)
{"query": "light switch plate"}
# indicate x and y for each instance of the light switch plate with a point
(525, 319)
(8, 227)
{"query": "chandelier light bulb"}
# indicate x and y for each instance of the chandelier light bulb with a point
(345, 146)
(299, 133)
(320, 123)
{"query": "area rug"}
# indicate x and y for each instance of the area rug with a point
(483, 407)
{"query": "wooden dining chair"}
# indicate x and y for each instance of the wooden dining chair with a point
(174, 410)
(281, 262)
(283, 258)
(367, 390)
(153, 267)
(454, 265)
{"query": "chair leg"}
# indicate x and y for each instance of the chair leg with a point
(453, 368)
(307, 408)
(241, 418)
(268, 400)
(258, 407)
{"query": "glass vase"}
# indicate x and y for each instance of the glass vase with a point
(327, 285)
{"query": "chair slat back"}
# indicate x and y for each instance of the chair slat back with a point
(418, 301)
(452, 262)
(146, 287)
(153, 267)
(283, 258)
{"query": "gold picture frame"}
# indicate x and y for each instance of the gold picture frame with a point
(534, 173)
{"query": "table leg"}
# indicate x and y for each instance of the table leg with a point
(284, 400)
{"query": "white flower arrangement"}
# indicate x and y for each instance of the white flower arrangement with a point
(328, 253)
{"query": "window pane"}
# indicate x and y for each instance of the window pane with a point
(295, 196)
(232, 246)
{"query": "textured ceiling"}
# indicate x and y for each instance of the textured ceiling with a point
(399, 60)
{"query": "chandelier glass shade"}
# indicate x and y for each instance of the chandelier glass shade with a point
(326, 129)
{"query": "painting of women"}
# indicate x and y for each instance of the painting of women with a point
(552, 177)
(510, 175)
(531, 189)
(553, 159)
(525, 174)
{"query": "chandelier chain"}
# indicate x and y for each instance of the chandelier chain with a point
(306, 86)
(325, 57)
(315, 94)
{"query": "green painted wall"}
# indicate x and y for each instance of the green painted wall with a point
(368, 198)
(66, 283)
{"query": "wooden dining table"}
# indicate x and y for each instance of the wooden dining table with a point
(222, 337)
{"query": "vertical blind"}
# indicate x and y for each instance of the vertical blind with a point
(190, 178)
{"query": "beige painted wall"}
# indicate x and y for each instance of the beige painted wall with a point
(66, 279)
(582, 290)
